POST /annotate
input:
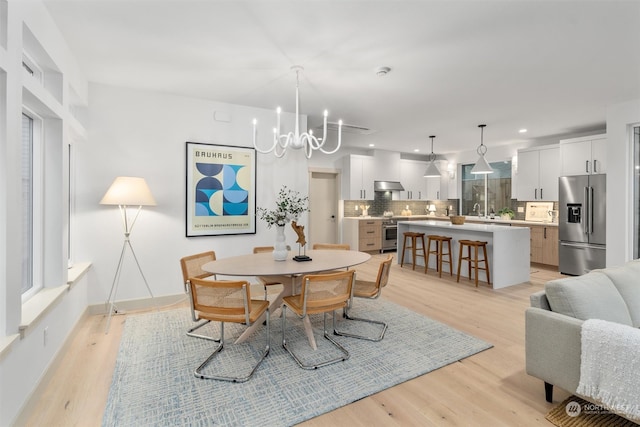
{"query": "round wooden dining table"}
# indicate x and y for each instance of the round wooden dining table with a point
(291, 271)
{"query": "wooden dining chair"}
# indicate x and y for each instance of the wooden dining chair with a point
(332, 246)
(321, 293)
(335, 246)
(192, 267)
(372, 290)
(227, 301)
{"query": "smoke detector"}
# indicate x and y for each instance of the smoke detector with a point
(382, 71)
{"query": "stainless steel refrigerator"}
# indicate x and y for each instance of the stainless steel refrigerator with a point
(582, 223)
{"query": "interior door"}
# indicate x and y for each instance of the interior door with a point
(323, 208)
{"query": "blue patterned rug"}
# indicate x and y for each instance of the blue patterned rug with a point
(153, 382)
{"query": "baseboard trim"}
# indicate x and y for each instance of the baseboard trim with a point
(124, 306)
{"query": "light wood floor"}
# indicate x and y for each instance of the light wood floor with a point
(487, 389)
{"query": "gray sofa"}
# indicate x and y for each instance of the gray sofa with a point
(554, 320)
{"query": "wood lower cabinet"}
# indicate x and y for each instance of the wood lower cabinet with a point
(370, 236)
(362, 234)
(544, 244)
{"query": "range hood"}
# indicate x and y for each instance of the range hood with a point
(387, 186)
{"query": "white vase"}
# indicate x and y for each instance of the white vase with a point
(280, 252)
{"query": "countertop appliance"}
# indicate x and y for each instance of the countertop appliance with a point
(389, 234)
(582, 223)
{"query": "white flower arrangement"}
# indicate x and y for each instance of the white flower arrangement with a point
(289, 206)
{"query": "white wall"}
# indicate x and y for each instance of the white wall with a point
(620, 119)
(138, 133)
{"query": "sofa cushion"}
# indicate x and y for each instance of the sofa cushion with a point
(627, 280)
(591, 296)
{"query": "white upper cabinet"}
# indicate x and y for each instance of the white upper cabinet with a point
(583, 156)
(358, 177)
(434, 190)
(538, 172)
(417, 187)
(412, 179)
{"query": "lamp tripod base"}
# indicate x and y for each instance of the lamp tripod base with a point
(112, 308)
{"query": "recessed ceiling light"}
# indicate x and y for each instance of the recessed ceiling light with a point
(416, 150)
(522, 131)
(372, 145)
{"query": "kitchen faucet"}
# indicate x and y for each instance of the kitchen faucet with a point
(476, 208)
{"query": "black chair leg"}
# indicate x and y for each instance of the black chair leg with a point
(548, 392)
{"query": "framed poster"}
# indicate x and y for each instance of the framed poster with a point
(221, 190)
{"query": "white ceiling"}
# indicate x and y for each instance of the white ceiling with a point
(552, 67)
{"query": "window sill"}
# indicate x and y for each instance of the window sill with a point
(40, 303)
(75, 273)
(5, 343)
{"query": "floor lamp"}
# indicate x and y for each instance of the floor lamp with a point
(126, 191)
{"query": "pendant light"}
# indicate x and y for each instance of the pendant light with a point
(481, 166)
(432, 169)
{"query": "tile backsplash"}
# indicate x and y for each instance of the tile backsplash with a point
(383, 202)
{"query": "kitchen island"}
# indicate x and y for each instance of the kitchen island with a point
(508, 248)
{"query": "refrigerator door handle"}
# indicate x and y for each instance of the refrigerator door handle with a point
(587, 209)
(583, 246)
(591, 209)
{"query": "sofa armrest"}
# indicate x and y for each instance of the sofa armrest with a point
(539, 300)
(553, 347)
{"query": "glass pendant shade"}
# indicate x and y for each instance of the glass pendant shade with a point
(481, 166)
(432, 170)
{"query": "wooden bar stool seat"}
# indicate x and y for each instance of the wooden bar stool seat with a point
(413, 238)
(473, 261)
(439, 252)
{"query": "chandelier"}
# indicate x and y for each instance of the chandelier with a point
(295, 139)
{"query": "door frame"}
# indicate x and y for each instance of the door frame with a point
(339, 204)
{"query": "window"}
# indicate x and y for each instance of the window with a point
(636, 191)
(70, 202)
(31, 204)
(27, 205)
(498, 186)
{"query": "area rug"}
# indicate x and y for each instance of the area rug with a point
(153, 381)
(576, 412)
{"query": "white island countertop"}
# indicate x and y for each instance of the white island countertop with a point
(508, 248)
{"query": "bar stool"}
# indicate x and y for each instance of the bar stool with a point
(476, 245)
(414, 248)
(439, 252)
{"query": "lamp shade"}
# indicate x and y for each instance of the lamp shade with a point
(481, 166)
(128, 191)
(432, 170)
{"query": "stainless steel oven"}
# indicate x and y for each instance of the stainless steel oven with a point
(389, 235)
